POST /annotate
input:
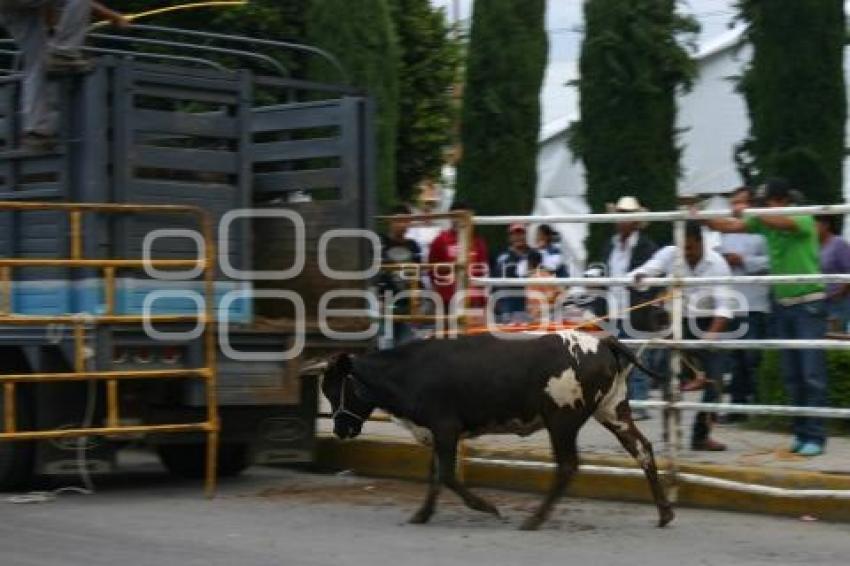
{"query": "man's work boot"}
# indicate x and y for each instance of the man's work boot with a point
(35, 142)
(67, 62)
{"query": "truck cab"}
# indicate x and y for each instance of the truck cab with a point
(211, 121)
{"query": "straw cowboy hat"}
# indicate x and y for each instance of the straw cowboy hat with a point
(627, 204)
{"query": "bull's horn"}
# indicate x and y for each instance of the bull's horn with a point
(313, 366)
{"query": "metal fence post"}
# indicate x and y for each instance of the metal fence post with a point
(672, 415)
(466, 238)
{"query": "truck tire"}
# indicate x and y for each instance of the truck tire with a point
(189, 460)
(17, 459)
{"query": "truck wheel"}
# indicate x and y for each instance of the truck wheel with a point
(17, 459)
(189, 460)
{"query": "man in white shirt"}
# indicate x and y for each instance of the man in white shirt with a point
(707, 314)
(747, 254)
(625, 251)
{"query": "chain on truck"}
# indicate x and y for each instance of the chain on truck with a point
(200, 122)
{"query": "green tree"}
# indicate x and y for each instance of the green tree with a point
(362, 36)
(500, 119)
(633, 61)
(795, 92)
(429, 65)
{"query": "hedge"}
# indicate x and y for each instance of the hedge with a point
(770, 389)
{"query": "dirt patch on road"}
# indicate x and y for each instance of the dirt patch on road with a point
(350, 490)
(369, 492)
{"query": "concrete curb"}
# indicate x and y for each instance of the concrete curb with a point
(401, 460)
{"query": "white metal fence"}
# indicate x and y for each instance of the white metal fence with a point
(675, 405)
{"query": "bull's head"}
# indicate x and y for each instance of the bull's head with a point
(350, 409)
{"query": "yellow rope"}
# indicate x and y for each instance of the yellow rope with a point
(179, 7)
(658, 299)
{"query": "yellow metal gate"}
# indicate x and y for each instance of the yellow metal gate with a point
(79, 322)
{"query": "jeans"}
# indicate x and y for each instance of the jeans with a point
(804, 371)
(24, 21)
(745, 363)
(402, 333)
(839, 311)
(713, 363)
(638, 382)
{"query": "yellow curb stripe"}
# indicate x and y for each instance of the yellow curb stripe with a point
(385, 458)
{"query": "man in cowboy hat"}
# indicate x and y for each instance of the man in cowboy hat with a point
(628, 249)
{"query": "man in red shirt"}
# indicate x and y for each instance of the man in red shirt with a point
(445, 249)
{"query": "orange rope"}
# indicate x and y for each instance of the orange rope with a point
(555, 327)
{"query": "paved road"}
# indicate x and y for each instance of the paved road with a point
(286, 518)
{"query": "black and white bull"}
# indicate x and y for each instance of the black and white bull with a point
(446, 390)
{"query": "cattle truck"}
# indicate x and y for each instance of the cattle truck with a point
(179, 117)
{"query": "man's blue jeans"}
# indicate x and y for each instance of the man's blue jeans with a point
(638, 381)
(804, 371)
(839, 309)
(745, 363)
(24, 20)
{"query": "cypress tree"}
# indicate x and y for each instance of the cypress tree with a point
(362, 36)
(429, 66)
(795, 93)
(500, 119)
(632, 63)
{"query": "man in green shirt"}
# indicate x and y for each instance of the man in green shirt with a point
(799, 309)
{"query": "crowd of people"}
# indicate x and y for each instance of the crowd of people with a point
(780, 245)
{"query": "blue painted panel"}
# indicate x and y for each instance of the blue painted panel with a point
(175, 298)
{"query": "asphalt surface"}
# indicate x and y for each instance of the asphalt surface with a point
(287, 518)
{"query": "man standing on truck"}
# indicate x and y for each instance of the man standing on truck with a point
(28, 22)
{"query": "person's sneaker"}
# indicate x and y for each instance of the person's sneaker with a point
(68, 63)
(708, 445)
(810, 449)
(36, 142)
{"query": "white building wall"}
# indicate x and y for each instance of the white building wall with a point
(713, 118)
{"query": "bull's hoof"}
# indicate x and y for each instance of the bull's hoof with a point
(531, 524)
(666, 516)
(420, 518)
(484, 507)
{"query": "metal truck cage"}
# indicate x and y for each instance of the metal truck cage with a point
(196, 121)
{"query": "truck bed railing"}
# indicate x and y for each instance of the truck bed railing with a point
(138, 40)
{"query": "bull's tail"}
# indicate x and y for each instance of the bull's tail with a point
(625, 352)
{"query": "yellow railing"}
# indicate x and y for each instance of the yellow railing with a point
(79, 322)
